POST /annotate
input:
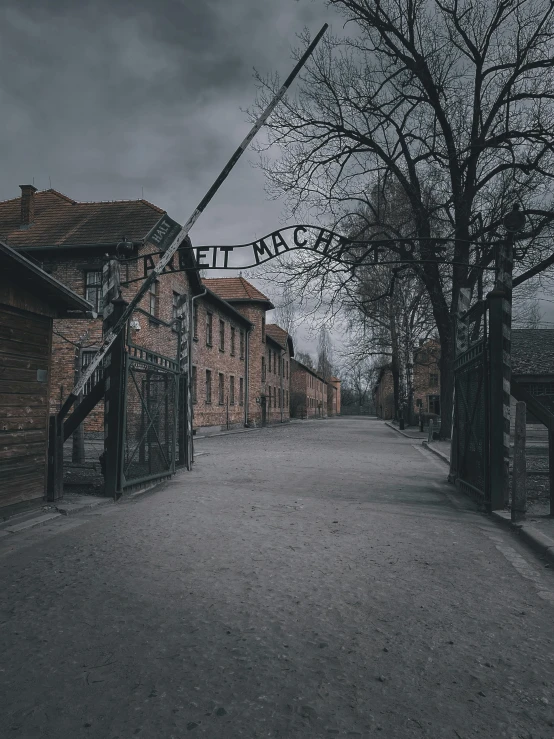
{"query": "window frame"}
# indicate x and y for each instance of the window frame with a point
(241, 390)
(154, 294)
(221, 335)
(221, 388)
(231, 390)
(208, 393)
(233, 341)
(209, 328)
(97, 286)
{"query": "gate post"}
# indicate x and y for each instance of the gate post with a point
(114, 373)
(499, 480)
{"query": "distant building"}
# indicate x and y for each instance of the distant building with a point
(308, 392)
(426, 383)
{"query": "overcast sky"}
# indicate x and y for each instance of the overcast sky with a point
(107, 99)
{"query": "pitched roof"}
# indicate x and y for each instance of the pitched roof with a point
(304, 368)
(15, 268)
(533, 351)
(235, 289)
(59, 220)
(277, 333)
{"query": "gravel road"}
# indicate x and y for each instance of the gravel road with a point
(317, 579)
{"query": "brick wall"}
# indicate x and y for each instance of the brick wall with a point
(277, 385)
(427, 377)
(212, 358)
(71, 270)
(308, 392)
(383, 395)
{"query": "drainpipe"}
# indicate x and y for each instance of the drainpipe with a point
(191, 344)
(247, 376)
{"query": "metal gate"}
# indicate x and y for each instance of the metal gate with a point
(151, 414)
(471, 403)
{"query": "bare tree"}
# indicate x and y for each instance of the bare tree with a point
(324, 354)
(305, 359)
(285, 312)
(447, 96)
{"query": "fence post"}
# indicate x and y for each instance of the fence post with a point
(114, 373)
(519, 477)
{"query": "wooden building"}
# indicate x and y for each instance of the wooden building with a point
(30, 300)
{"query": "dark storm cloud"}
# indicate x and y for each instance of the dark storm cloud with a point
(108, 97)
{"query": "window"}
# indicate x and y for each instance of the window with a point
(242, 344)
(269, 360)
(221, 335)
(209, 327)
(433, 379)
(435, 404)
(263, 369)
(233, 332)
(287, 366)
(232, 390)
(241, 391)
(93, 289)
(280, 406)
(195, 320)
(221, 388)
(154, 299)
(269, 400)
(193, 385)
(208, 386)
(263, 328)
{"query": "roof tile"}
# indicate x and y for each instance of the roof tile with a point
(234, 288)
(533, 351)
(59, 221)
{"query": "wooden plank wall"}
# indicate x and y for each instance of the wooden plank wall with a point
(25, 348)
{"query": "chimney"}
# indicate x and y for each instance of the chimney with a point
(27, 205)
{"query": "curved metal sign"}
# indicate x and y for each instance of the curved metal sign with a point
(279, 242)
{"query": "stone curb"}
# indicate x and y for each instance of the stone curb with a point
(228, 433)
(69, 509)
(534, 538)
(436, 451)
(29, 523)
(416, 438)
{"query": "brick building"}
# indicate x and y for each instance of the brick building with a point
(383, 393)
(280, 350)
(267, 354)
(220, 363)
(308, 392)
(71, 240)
(427, 377)
(426, 383)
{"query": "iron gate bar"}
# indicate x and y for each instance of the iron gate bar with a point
(152, 419)
(479, 386)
